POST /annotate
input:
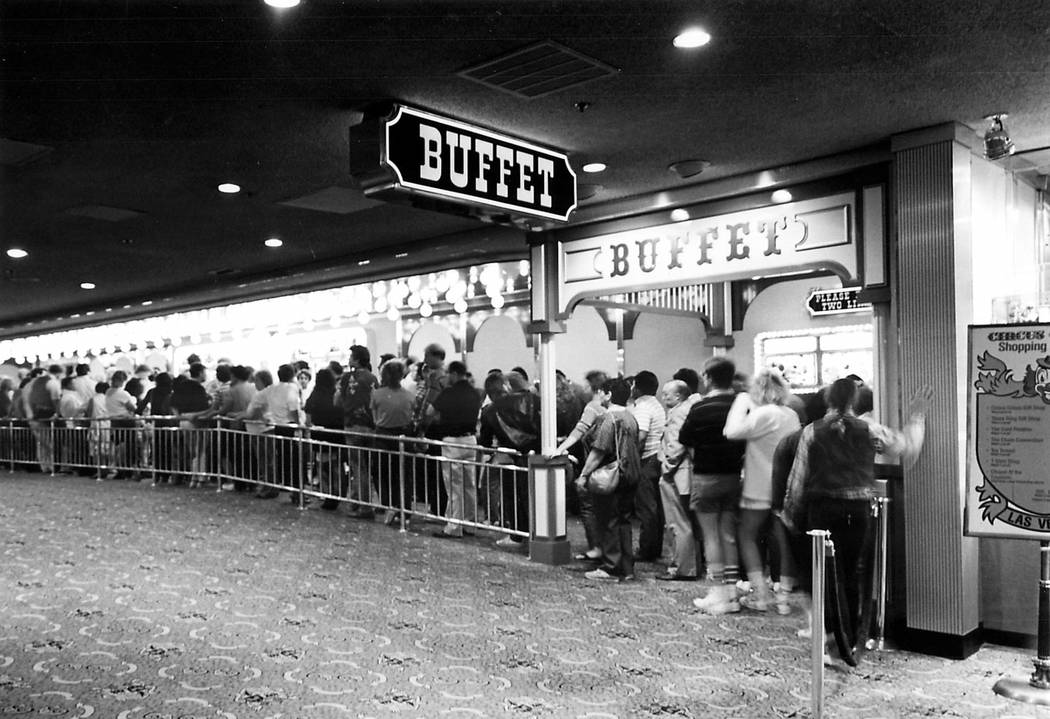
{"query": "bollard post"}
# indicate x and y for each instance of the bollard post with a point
(820, 537)
(1034, 691)
(548, 542)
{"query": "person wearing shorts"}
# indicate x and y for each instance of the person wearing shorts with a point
(716, 487)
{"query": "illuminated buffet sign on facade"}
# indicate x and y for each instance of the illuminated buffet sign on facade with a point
(438, 156)
(780, 239)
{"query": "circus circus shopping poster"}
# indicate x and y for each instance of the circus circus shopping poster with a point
(1008, 438)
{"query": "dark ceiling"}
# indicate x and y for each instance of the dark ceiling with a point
(140, 109)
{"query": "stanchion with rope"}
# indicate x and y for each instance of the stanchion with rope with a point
(881, 508)
(820, 537)
(1036, 690)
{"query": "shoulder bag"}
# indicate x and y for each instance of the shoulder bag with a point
(606, 478)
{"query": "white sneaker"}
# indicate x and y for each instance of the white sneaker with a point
(743, 587)
(783, 605)
(600, 575)
(730, 607)
(712, 597)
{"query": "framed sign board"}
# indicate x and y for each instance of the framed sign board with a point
(1008, 437)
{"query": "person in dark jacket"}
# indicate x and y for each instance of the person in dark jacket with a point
(716, 485)
(513, 421)
(456, 409)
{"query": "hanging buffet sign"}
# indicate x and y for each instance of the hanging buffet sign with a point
(1008, 442)
(779, 239)
(444, 158)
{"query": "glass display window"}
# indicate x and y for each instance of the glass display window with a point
(813, 358)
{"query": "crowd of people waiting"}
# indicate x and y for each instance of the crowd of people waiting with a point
(721, 474)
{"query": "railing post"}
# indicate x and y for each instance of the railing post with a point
(820, 537)
(297, 457)
(401, 482)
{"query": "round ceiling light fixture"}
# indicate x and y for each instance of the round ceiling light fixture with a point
(688, 168)
(692, 37)
(592, 167)
(87, 285)
(780, 196)
(17, 253)
(274, 242)
(229, 188)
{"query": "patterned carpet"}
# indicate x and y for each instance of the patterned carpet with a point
(122, 600)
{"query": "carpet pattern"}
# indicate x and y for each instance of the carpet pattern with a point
(118, 599)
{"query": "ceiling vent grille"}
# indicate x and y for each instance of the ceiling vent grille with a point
(538, 70)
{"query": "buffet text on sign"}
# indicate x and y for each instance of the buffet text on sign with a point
(781, 238)
(835, 302)
(435, 155)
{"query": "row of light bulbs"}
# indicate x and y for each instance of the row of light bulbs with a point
(309, 311)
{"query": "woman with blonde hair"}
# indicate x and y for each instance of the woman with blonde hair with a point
(762, 418)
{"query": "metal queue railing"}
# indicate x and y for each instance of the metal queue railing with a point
(828, 591)
(406, 477)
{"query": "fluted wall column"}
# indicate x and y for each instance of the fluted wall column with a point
(931, 201)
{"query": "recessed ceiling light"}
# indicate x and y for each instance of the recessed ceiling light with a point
(274, 242)
(147, 303)
(594, 167)
(87, 285)
(16, 253)
(780, 196)
(399, 255)
(688, 168)
(679, 215)
(692, 37)
(229, 188)
(362, 263)
(283, 4)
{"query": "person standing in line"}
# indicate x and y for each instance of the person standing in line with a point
(832, 481)
(83, 383)
(189, 399)
(231, 410)
(592, 411)
(98, 428)
(322, 416)
(431, 379)
(651, 418)
(456, 411)
(120, 408)
(68, 446)
(41, 404)
(715, 486)
(676, 470)
(163, 427)
(513, 420)
(391, 408)
(355, 397)
(762, 418)
(614, 437)
(277, 407)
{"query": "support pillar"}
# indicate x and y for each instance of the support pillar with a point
(932, 207)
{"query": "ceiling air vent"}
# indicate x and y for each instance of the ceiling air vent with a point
(538, 70)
